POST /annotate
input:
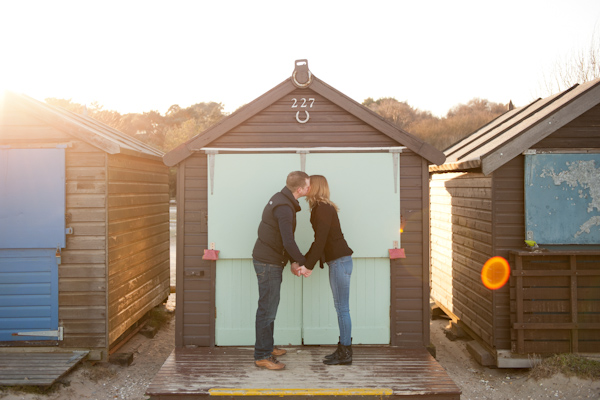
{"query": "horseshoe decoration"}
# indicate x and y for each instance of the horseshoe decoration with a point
(298, 117)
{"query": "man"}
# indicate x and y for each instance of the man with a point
(274, 247)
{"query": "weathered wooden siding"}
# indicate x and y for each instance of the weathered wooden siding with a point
(581, 133)
(82, 274)
(461, 242)
(138, 239)
(410, 276)
(509, 233)
(329, 125)
(197, 281)
(276, 126)
(554, 301)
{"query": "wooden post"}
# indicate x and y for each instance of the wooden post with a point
(519, 295)
(575, 330)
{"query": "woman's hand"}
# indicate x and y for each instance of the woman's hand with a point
(304, 271)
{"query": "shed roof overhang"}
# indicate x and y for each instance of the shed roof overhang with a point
(456, 166)
(403, 138)
(498, 142)
(84, 128)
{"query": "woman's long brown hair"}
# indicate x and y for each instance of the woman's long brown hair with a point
(319, 192)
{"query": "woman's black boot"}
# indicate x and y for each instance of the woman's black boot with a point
(344, 356)
(334, 354)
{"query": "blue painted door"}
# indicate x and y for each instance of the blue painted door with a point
(32, 232)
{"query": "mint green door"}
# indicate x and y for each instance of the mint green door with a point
(237, 299)
(369, 304)
(362, 184)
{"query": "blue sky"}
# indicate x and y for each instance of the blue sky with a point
(134, 56)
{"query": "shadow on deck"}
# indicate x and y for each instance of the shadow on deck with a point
(376, 372)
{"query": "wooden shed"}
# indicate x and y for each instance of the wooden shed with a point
(532, 173)
(377, 173)
(84, 231)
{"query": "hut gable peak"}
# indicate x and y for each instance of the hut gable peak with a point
(302, 78)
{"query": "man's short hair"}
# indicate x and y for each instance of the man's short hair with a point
(295, 180)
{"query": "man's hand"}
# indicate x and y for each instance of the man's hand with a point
(295, 267)
(304, 271)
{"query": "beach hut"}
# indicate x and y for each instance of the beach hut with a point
(378, 175)
(84, 230)
(530, 174)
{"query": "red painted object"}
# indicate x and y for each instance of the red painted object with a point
(210, 254)
(396, 253)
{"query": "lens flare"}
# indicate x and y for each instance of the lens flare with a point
(495, 273)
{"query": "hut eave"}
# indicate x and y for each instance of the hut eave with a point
(456, 166)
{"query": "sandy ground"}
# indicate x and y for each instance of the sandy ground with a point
(477, 382)
(104, 381)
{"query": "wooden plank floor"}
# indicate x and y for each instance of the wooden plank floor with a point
(36, 369)
(377, 372)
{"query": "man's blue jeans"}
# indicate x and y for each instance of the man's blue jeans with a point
(340, 271)
(269, 286)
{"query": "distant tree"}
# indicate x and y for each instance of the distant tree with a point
(460, 120)
(108, 117)
(67, 104)
(148, 127)
(478, 107)
(196, 119)
(162, 132)
(581, 66)
(95, 110)
(368, 101)
(399, 113)
(181, 133)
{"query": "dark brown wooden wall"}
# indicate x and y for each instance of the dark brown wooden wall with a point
(409, 322)
(138, 239)
(196, 280)
(82, 274)
(276, 126)
(509, 233)
(583, 133)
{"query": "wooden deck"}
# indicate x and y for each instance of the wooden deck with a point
(36, 368)
(376, 372)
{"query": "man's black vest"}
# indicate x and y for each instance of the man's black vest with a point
(269, 245)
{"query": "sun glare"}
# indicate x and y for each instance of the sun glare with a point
(495, 273)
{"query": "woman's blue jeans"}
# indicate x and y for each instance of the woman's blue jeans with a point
(340, 271)
(269, 286)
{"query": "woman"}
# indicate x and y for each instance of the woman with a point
(330, 246)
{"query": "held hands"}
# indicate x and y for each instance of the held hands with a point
(300, 270)
(304, 271)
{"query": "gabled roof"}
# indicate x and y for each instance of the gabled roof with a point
(201, 140)
(515, 131)
(83, 127)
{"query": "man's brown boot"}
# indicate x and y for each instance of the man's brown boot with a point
(270, 363)
(278, 352)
